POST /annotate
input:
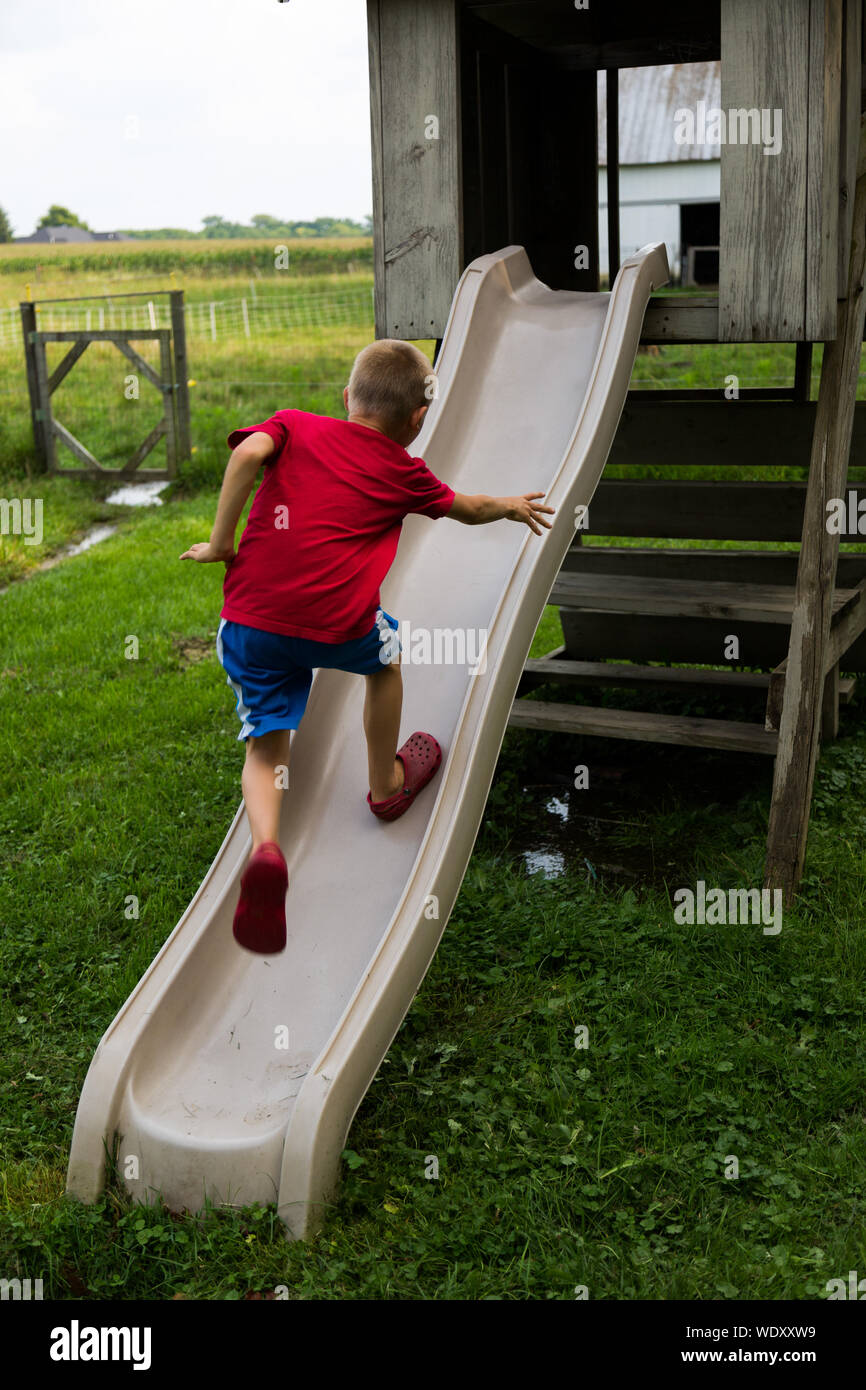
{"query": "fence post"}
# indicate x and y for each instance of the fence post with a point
(43, 391)
(28, 326)
(181, 373)
(246, 317)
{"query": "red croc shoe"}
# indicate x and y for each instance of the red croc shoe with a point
(421, 757)
(260, 916)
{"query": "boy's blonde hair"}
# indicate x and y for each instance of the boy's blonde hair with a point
(389, 380)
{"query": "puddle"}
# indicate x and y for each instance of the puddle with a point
(609, 831)
(93, 537)
(138, 495)
(549, 863)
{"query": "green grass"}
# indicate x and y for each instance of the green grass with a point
(558, 1167)
(44, 265)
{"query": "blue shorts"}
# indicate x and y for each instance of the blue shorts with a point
(271, 674)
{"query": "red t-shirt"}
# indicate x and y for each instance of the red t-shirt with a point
(323, 529)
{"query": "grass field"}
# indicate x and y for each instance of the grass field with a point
(49, 267)
(604, 1167)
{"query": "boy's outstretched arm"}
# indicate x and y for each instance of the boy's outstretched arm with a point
(478, 510)
(240, 474)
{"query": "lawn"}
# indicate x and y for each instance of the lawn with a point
(607, 1166)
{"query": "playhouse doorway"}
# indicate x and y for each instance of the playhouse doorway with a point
(699, 243)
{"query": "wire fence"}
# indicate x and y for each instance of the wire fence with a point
(216, 319)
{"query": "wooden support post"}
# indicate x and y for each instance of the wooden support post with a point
(43, 395)
(28, 326)
(801, 721)
(802, 371)
(830, 706)
(776, 697)
(169, 420)
(611, 82)
(181, 376)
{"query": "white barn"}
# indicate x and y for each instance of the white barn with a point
(667, 191)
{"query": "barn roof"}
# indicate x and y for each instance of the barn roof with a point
(648, 101)
(62, 233)
(59, 233)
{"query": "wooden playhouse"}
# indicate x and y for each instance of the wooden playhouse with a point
(485, 134)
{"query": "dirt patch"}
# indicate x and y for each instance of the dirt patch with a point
(193, 649)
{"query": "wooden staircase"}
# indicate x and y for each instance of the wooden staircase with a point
(659, 604)
(655, 617)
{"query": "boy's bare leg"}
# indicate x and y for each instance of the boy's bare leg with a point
(383, 706)
(262, 784)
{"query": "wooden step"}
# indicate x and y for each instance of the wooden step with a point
(558, 671)
(725, 566)
(691, 510)
(664, 431)
(678, 598)
(643, 727)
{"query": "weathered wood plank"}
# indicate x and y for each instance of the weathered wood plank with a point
(75, 446)
(688, 319)
(719, 434)
(144, 448)
(99, 335)
(852, 40)
(830, 706)
(63, 368)
(28, 331)
(142, 475)
(694, 395)
(597, 636)
(415, 120)
(377, 151)
(845, 629)
(824, 119)
(723, 566)
(181, 375)
(776, 696)
(776, 690)
(762, 259)
(697, 510)
(161, 382)
(729, 734)
(558, 670)
(800, 726)
(609, 674)
(43, 408)
(744, 603)
(168, 407)
(611, 85)
(678, 319)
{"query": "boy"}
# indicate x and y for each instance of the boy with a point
(302, 591)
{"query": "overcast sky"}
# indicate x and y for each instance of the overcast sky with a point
(157, 113)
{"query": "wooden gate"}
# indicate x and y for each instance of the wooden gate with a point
(170, 380)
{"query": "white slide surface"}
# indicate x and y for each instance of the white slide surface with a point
(236, 1077)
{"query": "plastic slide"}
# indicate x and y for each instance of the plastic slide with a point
(236, 1077)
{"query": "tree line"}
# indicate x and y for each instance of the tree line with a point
(213, 227)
